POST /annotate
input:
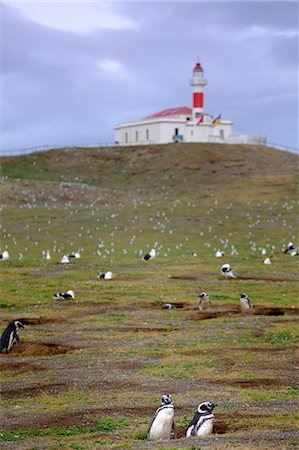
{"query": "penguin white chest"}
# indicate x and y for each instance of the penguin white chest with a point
(245, 306)
(206, 428)
(162, 426)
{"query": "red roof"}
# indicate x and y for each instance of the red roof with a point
(182, 110)
(198, 67)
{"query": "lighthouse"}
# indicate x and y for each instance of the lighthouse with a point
(198, 82)
(183, 123)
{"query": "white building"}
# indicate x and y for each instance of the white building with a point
(183, 124)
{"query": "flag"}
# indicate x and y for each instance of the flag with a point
(217, 121)
(200, 120)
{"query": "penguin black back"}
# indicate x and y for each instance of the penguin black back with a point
(10, 336)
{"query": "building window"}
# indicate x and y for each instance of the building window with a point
(126, 137)
(136, 136)
(147, 135)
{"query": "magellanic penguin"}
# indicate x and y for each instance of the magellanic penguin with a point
(227, 271)
(10, 336)
(68, 295)
(291, 249)
(105, 275)
(202, 423)
(4, 256)
(204, 302)
(245, 303)
(162, 424)
(149, 256)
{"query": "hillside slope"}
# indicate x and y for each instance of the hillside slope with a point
(87, 165)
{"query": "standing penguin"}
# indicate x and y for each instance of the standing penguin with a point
(202, 423)
(10, 336)
(163, 421)
(149, 256)
(204, 302)
(245, 303)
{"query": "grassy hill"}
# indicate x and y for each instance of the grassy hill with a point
(89, 373)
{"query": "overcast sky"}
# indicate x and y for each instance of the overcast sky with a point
(71, 71)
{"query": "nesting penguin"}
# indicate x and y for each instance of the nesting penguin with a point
(202, 423)
(4, 256)
(65, 260)
(68, 295)
(149, 256)
(10, 336)
(74, 255)
(291, 249)
(162, 423)
(245, 303)
(173, 305)
(227, 271)
(204, 302)
(267, 261)
(219, 254)
(105, 275)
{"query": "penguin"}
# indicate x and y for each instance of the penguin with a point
(267, 261)
(245, 303)
(169, 306)
(162, 423)
(202, 423)
(65, 260)
(290, 248)
(149, 256)
(74, 255)
(204, 302)
(69, 295)
(4, 256)
(105, 275)
(227, 271)
(10, 336)
(219, 254)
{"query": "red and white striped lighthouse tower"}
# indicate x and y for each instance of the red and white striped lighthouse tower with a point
(198, 83)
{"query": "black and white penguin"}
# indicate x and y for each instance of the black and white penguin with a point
(68, 295)
(10, 336)
(74, 255)
(149, 256)
(169, 306)
(105, 275)
(162, 423)
(291, 249)
(204, 302)
(4, 256)
(202, 423)
(65, 260)
(219, 254)
(245, 303)
(227, 271)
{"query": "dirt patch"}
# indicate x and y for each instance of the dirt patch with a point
(264, 348)
(40, 320)
(257, 382)
(40, 349)
(184, 277)
(212, 314)
(228, 310)
(274, 280)
(21, 367)
(125, 329)
(34, 391)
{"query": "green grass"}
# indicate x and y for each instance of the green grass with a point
(128, 350)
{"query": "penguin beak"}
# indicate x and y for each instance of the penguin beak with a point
(214, 405)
